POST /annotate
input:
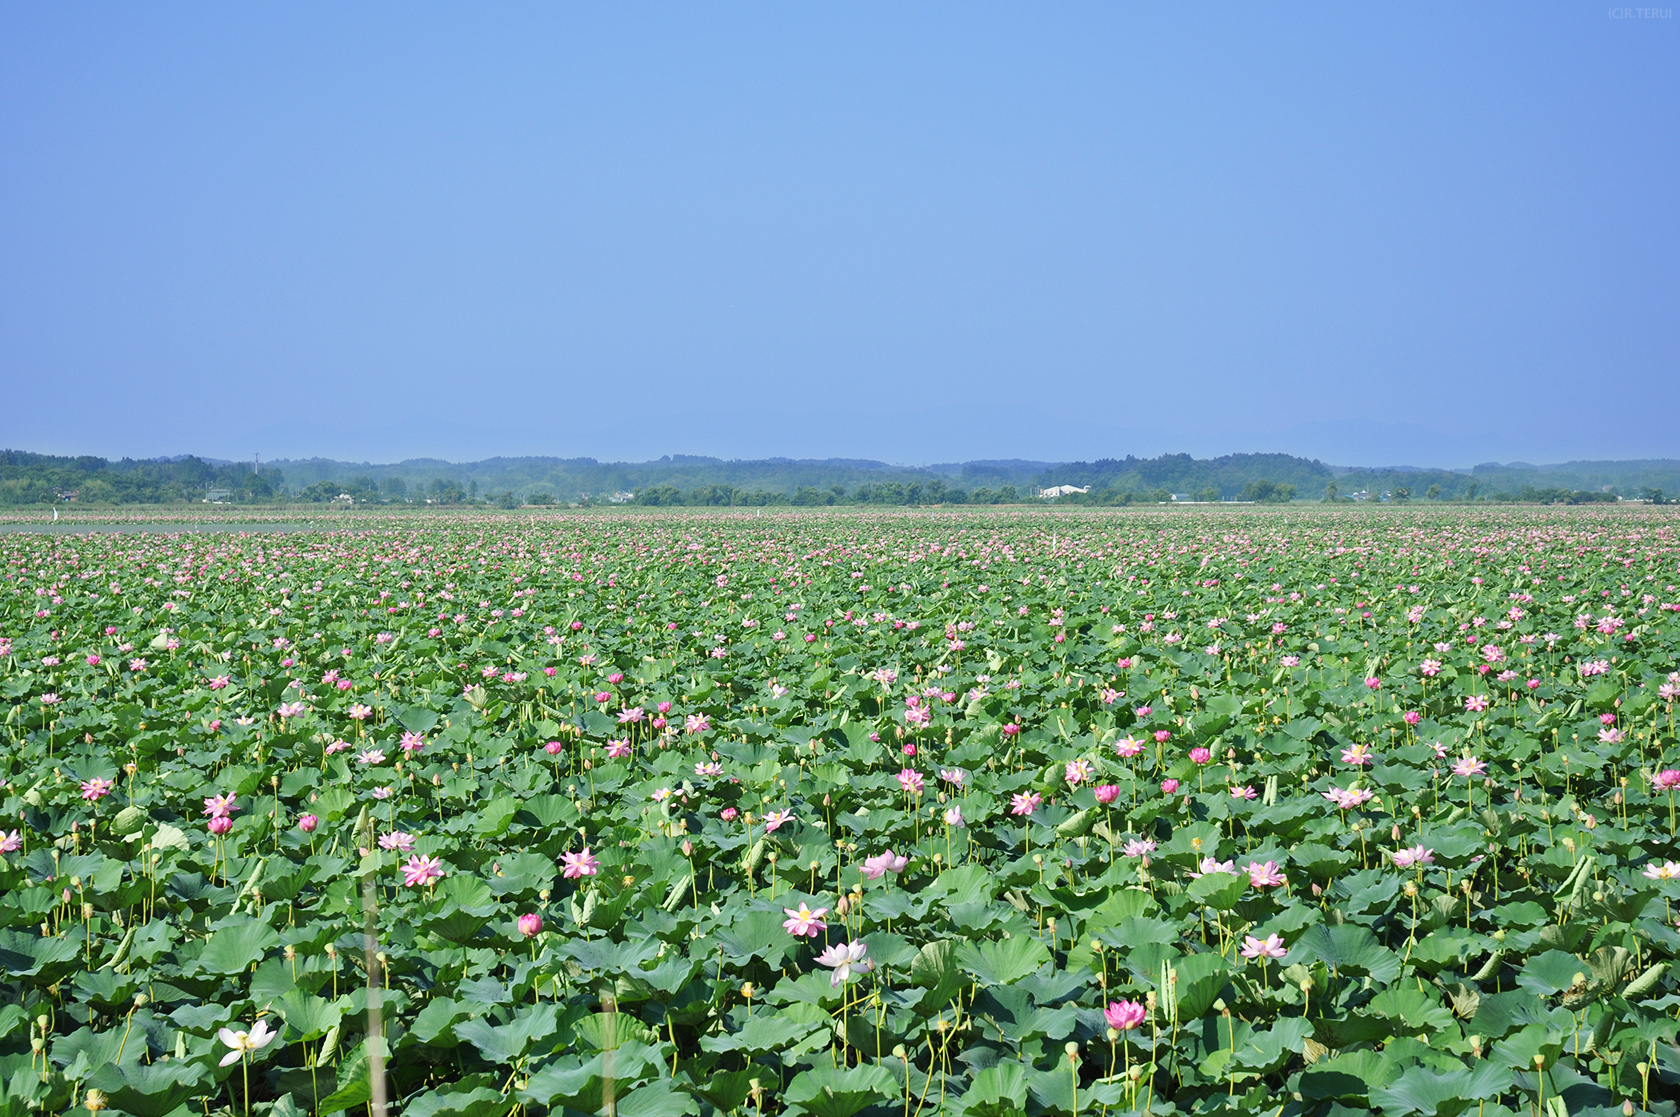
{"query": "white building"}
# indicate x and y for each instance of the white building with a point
(1061, 490)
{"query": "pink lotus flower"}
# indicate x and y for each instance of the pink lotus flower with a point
(1123, 1016)
(307, 823)
(1469, 767)
(412, 743)
(1137, 847)
(1010, 730)
(10, 843)
(1244, 792)
(421, 871)
(1358, 756)
(95, 789)
(1374, 683)
(1666, 780)
(1127, 747)
(530, 924)
(219, 825)
(805, 921)
(554, 748)
(1413, 855)
(696, 723)
(618, 750)
(1269, 947)
(1429, 668)
(1076, 772)
(846, 959)
(1199, 755)
(575, 865)
(729, 814)
(220, 806)
(1107, 793)
(882, 863)
(220, 682)
(398, 840)
(1475, 703)
(1169, 786)
(360, 712)
(1411, 717)
(1267, 875)
(1213, 865)
(1162, 736)
(910, 780)
(1349, 799)
(776, 819)
(290, 709)
(1025, 804)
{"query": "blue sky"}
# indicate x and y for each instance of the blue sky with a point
(1374, 234)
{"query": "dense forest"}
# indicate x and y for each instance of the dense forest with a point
(35, 479)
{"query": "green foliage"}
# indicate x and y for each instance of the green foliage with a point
(582, 852)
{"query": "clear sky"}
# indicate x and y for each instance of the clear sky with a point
(1370, 233)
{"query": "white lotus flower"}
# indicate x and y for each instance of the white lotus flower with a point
(244, 1043)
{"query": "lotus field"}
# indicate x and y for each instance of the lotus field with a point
(1270, 812)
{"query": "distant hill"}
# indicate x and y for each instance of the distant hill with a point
(28, 478)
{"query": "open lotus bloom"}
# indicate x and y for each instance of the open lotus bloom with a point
(848, 960)
(883, 863)
(243, 1043)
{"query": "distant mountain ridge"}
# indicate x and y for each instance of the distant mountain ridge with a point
(29, 478)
